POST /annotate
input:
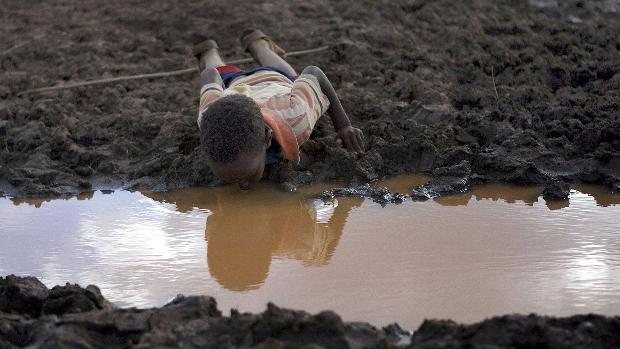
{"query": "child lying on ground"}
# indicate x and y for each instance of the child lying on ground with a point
(242, 110)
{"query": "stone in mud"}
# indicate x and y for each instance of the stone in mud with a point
(195, 322)
(521, 331)
(22, 295)
(74, 299)
(84, 171)
(43, 176)
(461, 169)
(205, 306)
(455, 155)
(615, 187)
(84, 185)
(380, 195)
(557, 190)
(447, 185)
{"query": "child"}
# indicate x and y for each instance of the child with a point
(241, 111)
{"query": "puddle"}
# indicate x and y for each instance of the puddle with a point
(496, 249)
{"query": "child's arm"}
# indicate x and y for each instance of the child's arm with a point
(211, 88)
(352, 137)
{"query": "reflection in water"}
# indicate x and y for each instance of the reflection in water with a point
(464, 257)
(494, 192)
(244, 232)
(39, 201)
(403, 184)
(504, 192)
(600, 193)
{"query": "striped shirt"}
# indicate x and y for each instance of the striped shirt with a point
(291, 109)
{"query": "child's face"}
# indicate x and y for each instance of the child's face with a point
(245, 170)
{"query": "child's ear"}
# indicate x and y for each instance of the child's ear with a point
(268, 137)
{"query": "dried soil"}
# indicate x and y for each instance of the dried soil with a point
(31, 315)
(468, 91)
(522, 93)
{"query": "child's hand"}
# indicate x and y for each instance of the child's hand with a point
(352, 137)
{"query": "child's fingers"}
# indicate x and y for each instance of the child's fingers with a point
(354, 143)
(359, 144)
(359, 137)
(348, 144)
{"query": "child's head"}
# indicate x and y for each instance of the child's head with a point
(235, 139)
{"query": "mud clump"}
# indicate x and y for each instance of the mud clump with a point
(380, 195)
(520, 331)
(446, 181)
(28, 296)
(556, 191)
(526, 91)
(196, 322)
(439, 186)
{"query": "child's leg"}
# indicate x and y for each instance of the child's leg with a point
(210, 58)
(265, 56)
(207, 54)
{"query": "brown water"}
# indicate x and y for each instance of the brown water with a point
(494, 250)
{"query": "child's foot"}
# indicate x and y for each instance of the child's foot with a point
(200, 49)
(256, 36)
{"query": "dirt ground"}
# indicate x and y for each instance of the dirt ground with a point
(33, 316)
(514, 92)
(474, 91)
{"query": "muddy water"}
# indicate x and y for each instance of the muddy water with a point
(494, 250)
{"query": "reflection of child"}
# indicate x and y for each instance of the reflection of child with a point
(240, 111)
(244, 233)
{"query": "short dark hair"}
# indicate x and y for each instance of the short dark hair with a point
(231, 126)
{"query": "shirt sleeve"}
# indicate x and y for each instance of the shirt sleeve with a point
(209, 93)
(307, 96)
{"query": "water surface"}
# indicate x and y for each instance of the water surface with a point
(493, 250)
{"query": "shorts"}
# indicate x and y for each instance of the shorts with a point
(231, 72)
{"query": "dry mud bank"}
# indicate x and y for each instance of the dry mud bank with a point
(503, 90)
(69, 316)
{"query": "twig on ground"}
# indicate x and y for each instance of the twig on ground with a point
(7, 51)
(494, 86)
(154, 75)
(105, 81)
(21, 44)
